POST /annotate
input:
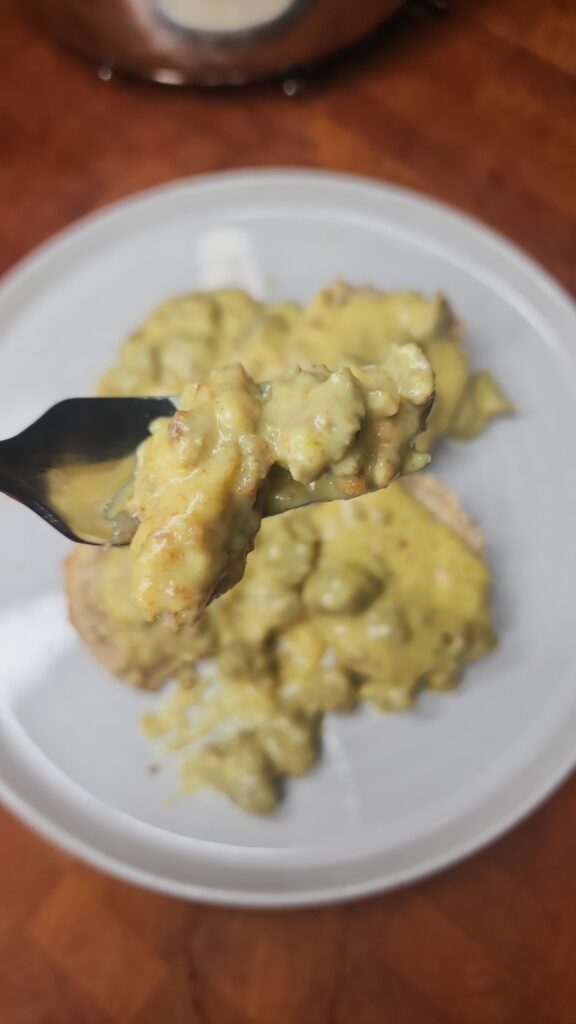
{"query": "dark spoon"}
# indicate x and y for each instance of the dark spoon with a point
(80, 447)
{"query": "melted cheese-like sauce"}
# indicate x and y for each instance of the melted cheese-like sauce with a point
(371, 600)
(204, 476)
(85, 496)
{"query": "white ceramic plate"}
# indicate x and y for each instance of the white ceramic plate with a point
(394, 797)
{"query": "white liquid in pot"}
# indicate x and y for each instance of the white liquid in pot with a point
(222, 15)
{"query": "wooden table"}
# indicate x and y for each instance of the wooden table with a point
(478, 108)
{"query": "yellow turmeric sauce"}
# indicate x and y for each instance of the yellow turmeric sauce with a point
(369, 600)
(204, 478)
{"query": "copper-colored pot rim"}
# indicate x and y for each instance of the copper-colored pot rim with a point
(126, 36)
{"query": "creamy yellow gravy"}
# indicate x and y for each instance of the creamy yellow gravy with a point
(87, 496)
(367, 600)
(236, 450)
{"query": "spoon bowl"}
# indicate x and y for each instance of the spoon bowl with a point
(72, 463)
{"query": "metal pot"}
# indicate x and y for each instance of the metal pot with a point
(208, 42)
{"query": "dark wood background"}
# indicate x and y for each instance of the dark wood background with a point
(476, 107)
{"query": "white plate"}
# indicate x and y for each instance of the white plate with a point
(395, 797)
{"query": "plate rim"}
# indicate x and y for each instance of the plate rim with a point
(18, 276)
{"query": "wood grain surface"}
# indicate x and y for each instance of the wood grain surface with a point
(476, 107)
